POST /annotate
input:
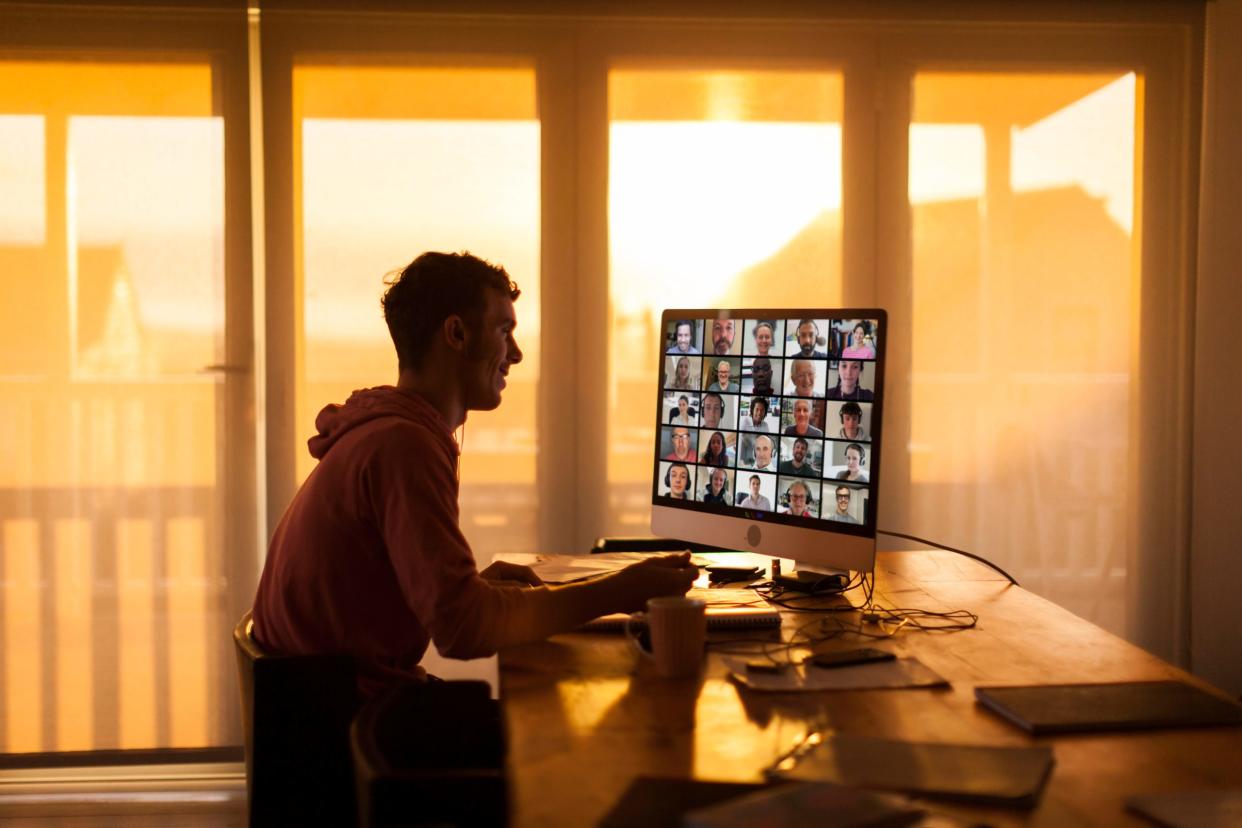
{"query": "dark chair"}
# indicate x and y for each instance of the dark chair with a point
(431, 754)
(296, 712)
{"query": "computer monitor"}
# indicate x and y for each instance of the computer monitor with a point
(768, 427)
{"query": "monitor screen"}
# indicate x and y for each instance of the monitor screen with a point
(768, 431)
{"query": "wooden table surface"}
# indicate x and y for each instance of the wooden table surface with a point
(586, 715)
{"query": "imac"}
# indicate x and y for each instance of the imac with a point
(783, 455)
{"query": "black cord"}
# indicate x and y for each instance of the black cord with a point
(970, 555)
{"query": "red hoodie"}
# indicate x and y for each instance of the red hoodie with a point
(369, 560)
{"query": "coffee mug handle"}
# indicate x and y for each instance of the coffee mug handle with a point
(632, 638)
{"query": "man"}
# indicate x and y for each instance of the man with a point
(369, 559)
(761, 376)
(847, 387)
(755, 500)
(678, 481)
(682, 450)
(842, 514)
(713, 409)
(851, 422)
(722, 336)
(799, 464)
(763, 453)
(802, 377)
(801, 426)
(723, 383)
(807, 334)
(799, 495)
(684, 334)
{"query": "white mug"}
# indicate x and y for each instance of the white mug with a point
(678, 628)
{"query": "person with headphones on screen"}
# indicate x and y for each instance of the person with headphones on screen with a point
(799, 496)
(717, 488)
(677, 479)
(755, 500)
(855, 456)
(369, 560)
(842, 514)
(799, 463)
(683, 336)
(851, 422)
(807, 334)
(713, 407)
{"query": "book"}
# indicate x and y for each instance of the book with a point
(1073, 708)
(810, 803)
(1009, 776)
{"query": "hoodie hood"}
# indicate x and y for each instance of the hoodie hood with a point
(334, 421)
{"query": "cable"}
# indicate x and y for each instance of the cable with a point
(970, 555)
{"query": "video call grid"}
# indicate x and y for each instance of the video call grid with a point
(827, 454)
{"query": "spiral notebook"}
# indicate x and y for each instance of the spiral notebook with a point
(726, 609)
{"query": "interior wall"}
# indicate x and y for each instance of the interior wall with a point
(1216, 532)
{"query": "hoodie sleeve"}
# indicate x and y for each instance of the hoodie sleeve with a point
(410, 486)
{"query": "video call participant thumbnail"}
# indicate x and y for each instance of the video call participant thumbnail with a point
(805, 379)
(801, 499)
(723, 375)
(806, 339)
(764, 333)
(758, 376)
(718, 410)
(855, 458)
(849, 387)
(680, 442)
(798, 460)
(861, 342)
(851, 415)
(682, 373)
(715, 486)
(759, 452)
(755, 498)
(722, 337)
(678, 481)
(684, 338)
(716, 448)
(682, 408)
(758, 417)
(801, 425)
(844, 506)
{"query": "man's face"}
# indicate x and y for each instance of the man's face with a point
(761, 370)
(722, 375)
(843, 501)
(678, 480)
(802, 415)
(683, 338)
(797, 499)
(799, 451)
(490, 350)
(763, 452)
(763, 339)
(849, 369)
(806, 338)
(722, 335)
(681, 442)
(803, 377)
(850, 421)
(754, 487)
(712, 411)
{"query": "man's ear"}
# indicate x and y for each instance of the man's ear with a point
(454, 331)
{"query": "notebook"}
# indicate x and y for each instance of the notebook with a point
(726, 609)
(1070, 708)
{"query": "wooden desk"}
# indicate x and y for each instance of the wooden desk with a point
(585, 716)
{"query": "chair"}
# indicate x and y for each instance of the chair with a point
(296, 712)
(433, 754)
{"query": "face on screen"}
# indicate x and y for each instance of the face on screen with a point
(769, 414)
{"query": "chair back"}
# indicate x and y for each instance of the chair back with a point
(431, 754)
(296, 712)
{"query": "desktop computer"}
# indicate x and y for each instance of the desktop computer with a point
(768, 432)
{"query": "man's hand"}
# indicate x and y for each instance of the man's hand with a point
(505, 571)
(656, 576)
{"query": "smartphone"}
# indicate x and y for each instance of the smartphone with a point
(846, 658)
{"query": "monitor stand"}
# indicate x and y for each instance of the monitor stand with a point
(812, 580)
